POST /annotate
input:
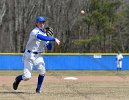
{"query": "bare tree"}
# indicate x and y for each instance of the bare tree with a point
(17, 19)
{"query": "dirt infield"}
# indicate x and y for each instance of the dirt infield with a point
(52, 79)
(56, 88)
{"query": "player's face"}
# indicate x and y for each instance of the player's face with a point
(41, 24)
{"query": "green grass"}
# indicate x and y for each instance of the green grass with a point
(68, 73)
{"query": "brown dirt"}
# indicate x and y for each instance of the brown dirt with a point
(84, 88)
(10, 79)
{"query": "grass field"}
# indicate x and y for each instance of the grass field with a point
(91, 85)
(67, 73)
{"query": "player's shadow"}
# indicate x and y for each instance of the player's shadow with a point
(13, 92)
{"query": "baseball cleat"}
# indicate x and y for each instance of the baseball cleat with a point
(15, 84)
(38, 91)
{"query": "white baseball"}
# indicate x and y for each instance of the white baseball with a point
(82, 12)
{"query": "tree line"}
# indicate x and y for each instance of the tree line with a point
(104, 27)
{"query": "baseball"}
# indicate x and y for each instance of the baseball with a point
(82, 12)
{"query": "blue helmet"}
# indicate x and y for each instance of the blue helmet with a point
(40, 19)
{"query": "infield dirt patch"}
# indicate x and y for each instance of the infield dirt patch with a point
(89, 87)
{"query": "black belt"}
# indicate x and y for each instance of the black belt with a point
(33, 52)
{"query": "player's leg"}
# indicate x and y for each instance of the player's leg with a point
(120, 66)
(40, 82)
(41, 69)
(17, 81)
(117, 67)
(25, 76)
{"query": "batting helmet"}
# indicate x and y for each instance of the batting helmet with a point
(40, 19)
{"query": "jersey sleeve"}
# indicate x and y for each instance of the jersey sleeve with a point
(41, 35)
(49, 46)
(44, 38)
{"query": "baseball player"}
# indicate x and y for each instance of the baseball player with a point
(39, 39)
(119, 58)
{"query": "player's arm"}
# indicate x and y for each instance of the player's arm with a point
(47, 38)
(49, 46)
(116, 60)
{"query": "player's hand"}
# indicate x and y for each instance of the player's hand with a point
(57, 41)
